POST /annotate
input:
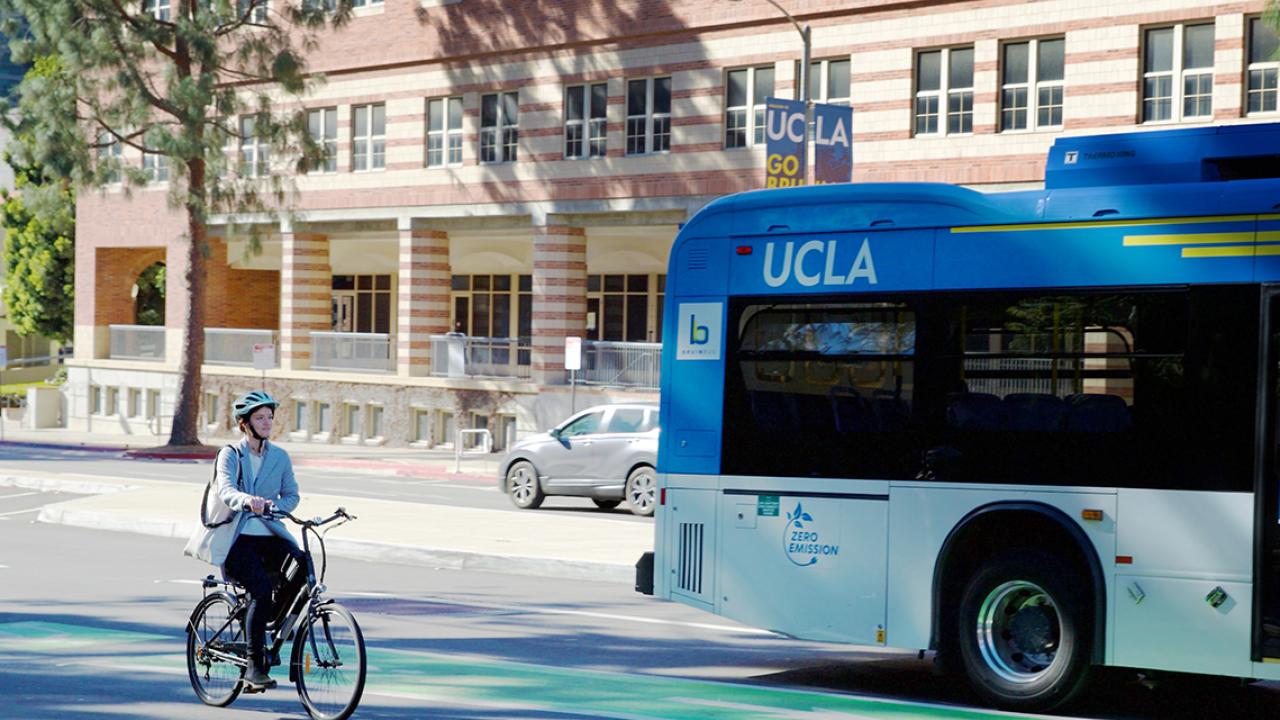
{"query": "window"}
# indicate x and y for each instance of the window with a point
(375, 421)
(361, 303)
(156, 166)
(618, 307)
(648, 116)
(255, 153)
(135, 403)
(499, 133)
(322, 127)
(628, 420)
(828, 84)
(588, 424)
(108, 155)
(486, 304)
(585, 120)
(326, 5)
(158, 9)
(1031, 84)
(254, 11)
(369, 137)
(444, 132)
(1177, 73)
(506, 432)
(300, 424)
(95, 399)
(351, 420)
(448, 431)
(422, 426)
(153, 404)
(113, 400)
(944, 77)
(744, 112)
(1263, 68)
(210, 408)
(324, 418)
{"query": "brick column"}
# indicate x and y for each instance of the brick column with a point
(559, 297)
(305, 295)
(423, 297)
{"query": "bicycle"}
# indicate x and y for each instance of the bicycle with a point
(327, 661)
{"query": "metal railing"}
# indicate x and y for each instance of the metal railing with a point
(630, 364)
(1018, 368)
(362, 352)
(136, 342)
(464, 356)
(234, 346)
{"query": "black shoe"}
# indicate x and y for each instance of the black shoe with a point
(273, 658)
(256, 680)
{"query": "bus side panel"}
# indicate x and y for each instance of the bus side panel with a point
(921, 516)
(684, 570)
(805, 558)
(1185, 603)
(1068, 254)
(1267, 262)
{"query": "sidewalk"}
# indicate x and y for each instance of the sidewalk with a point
(507, 541)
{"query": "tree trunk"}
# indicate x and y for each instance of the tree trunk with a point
(186, 409)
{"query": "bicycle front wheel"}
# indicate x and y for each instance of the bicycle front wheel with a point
(330, 663)
(216, 649)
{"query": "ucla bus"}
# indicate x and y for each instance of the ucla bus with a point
(1034, 431)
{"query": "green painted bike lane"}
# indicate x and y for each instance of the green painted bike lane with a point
(465, 681)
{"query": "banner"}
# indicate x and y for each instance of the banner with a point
(785, 143)
(833, 144)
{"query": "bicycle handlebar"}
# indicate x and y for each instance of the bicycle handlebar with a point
(314, 522)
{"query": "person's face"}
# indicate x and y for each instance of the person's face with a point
(261, 419)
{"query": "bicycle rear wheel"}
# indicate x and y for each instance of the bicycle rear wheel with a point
(330, 663)
(215, 641)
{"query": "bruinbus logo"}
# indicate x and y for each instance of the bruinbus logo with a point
(698, 334)
(699, 331)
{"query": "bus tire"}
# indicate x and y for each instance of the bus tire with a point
(1023, 631)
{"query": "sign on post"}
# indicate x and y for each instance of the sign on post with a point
(784, 143)
(573, 353)
(833, 141)
(264, 356)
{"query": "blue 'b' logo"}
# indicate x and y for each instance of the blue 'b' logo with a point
(698, 334)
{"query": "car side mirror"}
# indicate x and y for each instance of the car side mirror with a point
(554, 432)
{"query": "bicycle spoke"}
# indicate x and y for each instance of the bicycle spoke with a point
(331, 664)
(215, 651)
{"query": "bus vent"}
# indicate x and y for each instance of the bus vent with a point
(689, 568)
(698, 258)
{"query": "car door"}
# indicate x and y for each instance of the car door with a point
(614, 448)
(566, 458)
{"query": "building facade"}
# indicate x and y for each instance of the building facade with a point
(504, 175)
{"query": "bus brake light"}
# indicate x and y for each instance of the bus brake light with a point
(662, 496)
(744, 249)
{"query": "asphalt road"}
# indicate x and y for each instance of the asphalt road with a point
(475, 492)
(91, 627)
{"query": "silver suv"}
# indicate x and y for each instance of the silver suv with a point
(606, 453)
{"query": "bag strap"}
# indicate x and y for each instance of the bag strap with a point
(204, 501)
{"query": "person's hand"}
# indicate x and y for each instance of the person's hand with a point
(258, 504)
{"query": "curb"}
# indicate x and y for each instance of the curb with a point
(65, 446)
(62, 485)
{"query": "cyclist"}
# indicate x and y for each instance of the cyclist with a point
(254, 477)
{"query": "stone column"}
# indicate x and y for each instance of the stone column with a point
(305, 295)
(423, 297)
(559, 296)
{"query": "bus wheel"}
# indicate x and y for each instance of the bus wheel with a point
(1024, 632)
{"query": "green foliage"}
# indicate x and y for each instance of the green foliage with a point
(149, 305)
(39, 223)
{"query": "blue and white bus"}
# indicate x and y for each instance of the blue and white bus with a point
(1035, 431)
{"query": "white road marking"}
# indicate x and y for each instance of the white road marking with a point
(19, 512)
(10, 497)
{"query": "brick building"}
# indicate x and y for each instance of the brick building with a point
(519, 170)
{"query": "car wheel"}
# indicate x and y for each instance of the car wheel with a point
(1024, 632)
(642, 486)
(605, 504)
(523, 487)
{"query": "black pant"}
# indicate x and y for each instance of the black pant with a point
(251, 558)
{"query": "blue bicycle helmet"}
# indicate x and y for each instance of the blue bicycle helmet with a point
(250, 401)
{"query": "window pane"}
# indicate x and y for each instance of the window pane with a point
(574, 99)
(435, 115)
(763, 84)
(489, 111)
(614, 283)
(960, 70)
(510, 109)
(1015, 63)
(815, 80)
(599, 100)
(929, 71)
(1197, 47)
(838, 79)
(637, 283)
(737, 88)
(1050, 59)
(1159, 51)
(636, 97)
(379, 119)
(637, 317)
(331, 123)
(1262, 42)
(662, 95)
(362, 120)
(455, 113)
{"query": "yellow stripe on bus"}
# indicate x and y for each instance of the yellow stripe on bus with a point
(1222, 251)
(1112, 223)
(1189, 239)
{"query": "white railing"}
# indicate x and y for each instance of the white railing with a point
(137, 342)
(363, 352)
(234, 346)
(629, 364)
(1065, 383)
(463, 356)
